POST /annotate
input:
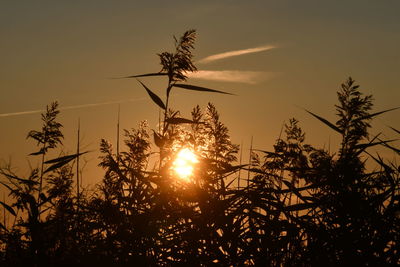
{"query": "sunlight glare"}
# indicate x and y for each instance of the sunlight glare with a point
(183, 164)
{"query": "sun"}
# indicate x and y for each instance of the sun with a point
(183, 164)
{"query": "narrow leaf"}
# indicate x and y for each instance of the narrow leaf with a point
(397, 131)
(331, 125)
(364, 146)
(169, 90)
(143, 75)
(68, 157)
(375, 114)
(6, 185)
(198, 88)
(153, 96)
(378, 160)
(8, 208)
(231, 182)
(59, 164)
(25, 181)
(268, 153)
(392, 148)
(37, 153)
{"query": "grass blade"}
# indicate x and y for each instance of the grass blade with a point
(199, 88)
(268, 153)
(375, 114)
(367, 145)
(392, 148)
(8, 208)
(64, 158)
(143, 75)
(379, 160)
(153, 96)
(397, 131)
(6, 185)
(57, 165)
(36, 153)
(25, 181)
(61, 161)
(331, 125)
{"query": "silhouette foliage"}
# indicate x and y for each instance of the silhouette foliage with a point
(299, 206)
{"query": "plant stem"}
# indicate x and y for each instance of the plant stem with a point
(77, 165)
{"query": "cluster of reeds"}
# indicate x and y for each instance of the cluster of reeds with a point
(298, 205)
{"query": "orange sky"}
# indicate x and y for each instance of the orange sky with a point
(68, 51)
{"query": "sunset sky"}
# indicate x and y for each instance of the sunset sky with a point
(277, 57)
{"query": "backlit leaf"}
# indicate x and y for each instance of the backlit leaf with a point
(37, 153)
(6, 185)
(375, 114)
(364, 146)
(392, 148)
(64, 158)
(268, 153)
(25, 181)
(331, 125)
(199, 88)
(8, 208)
(153, 96)
(397, 131)
(57, 165)
(143, 75)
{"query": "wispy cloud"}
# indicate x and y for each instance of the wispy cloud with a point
(235, 53)
(73, 107)
(236, 76)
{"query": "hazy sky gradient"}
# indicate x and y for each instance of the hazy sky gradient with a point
(68, 50)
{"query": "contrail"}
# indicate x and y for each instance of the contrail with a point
(236, 76)
(73, 107)
(235, 53)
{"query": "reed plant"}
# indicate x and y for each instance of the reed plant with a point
(300, 206)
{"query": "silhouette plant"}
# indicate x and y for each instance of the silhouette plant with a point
(49, 137)
(301, 206)
(173, 205)
(341, 210)
(45, 192)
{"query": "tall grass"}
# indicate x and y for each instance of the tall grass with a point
(298, 206)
